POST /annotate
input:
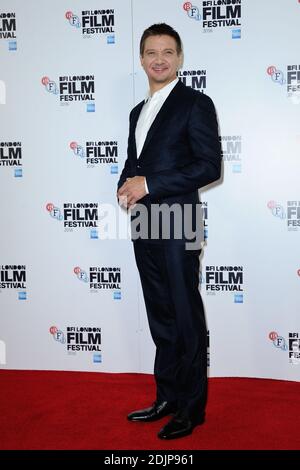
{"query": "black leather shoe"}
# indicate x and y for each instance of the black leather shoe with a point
(153, 413)
(179, 426)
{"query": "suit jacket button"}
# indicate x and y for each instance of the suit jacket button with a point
(138, 166)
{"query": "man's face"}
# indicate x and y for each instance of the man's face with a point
(160, 60)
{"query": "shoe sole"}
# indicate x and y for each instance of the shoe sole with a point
(149, 420)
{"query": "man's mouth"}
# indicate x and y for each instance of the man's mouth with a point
(159, 69)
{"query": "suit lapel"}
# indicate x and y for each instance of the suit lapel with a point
(135, 118)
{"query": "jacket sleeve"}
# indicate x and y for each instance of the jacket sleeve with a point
(126, 170)
(204, 143)
(125, 174)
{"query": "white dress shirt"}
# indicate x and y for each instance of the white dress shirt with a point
(148, 113)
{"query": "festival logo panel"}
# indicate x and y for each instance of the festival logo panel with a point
(8, 30)
(83, 340)
(71, 89)
(224, 280)
(98, 153)
(11, 156)
(288, 78)
(216, 15)
(13, 278)
(288, 213)
(291, 345)
(93, 24)
(101, 279)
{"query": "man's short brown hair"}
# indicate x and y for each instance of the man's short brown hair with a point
(158, 30)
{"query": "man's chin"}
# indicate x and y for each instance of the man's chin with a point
(158, 79)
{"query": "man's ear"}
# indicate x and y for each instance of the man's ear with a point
(181, 58)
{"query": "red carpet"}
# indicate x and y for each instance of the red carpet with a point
(80, 410)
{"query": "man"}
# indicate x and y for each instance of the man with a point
(173, 149)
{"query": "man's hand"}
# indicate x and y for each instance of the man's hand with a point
(132, 191)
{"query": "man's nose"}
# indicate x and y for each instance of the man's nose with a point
(159, 58)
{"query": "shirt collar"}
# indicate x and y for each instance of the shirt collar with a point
(163, 92)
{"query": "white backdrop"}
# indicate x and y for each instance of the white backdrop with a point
(71, 300)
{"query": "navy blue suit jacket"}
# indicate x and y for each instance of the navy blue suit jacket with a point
(181, 153)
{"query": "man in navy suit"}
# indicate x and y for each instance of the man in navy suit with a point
(173, 150)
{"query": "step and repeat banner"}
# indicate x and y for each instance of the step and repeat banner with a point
(70, 297)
